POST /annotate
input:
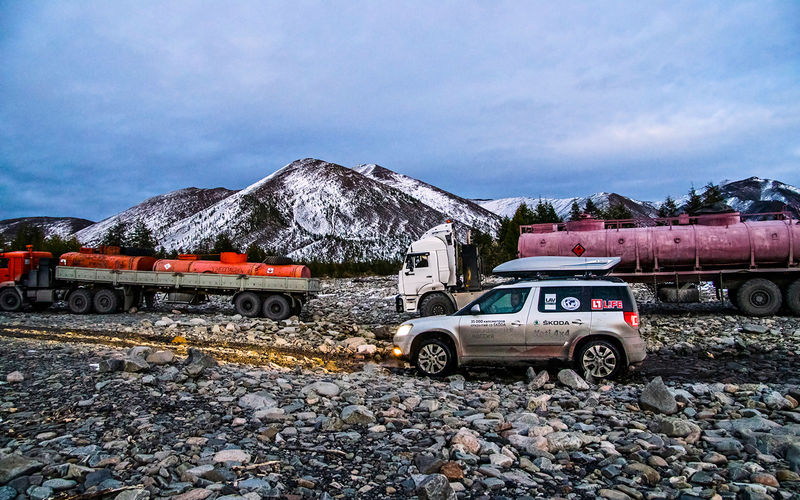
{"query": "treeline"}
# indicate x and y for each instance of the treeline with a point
(30, 234)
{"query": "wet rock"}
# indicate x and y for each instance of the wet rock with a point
(435, 487)
(133, 494)
(12, 466)
(135, 364)
(327, 389)
(232, 456)
(357, 414)
(572, 380)
(257, 401)
(537, 380)
(160, 358)
(468, 440)
(15, 377)
(656, 397)
(197, 362)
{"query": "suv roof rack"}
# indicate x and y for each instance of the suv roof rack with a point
(538, 267)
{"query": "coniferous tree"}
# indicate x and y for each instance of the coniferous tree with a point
(28, 234)
(545, 212)
(591, 208)
(255, 253)
(141, 236)
(617, 211)
(223, 243)
(712, 194)
(575, 211)
(668, 208)
(694, 204)
(115, 236)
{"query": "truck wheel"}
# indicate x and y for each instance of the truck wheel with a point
(275, 260)
(105, 301)
(793, 297)
(436, 304)
(80, 301)
(10, 301)
(601, 359)
(759, 297)
(276, 307)
(247, 304)
(434, 358)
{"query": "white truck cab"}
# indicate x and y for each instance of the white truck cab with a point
(429, 281)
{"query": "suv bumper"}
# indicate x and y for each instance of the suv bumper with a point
(635, 350)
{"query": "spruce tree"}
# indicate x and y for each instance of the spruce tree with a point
(115, 235)
(668, 208)
(712, 194)
(575, 211)
(141, 236)
(694, 204)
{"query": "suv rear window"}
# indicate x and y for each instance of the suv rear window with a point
(563, 299)
(610, 298)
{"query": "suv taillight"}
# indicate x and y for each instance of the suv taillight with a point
(632, 319)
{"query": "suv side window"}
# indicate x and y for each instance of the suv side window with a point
(562, 299)
(503, 301)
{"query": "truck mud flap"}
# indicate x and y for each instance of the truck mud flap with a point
(398, 303)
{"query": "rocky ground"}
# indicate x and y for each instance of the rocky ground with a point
(312, 408)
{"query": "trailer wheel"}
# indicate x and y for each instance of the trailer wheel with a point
(759, 297)
(80, 301)
(793, 297)
(247, 304)
(10, 301)
(436, 304)
(276, 307)
(105, 301)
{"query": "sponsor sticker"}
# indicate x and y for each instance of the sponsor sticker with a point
(606, 305)
(270, 270)
(549, 302)
(571, 303)
(547, 322)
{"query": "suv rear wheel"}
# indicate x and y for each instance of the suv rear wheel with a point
(434, 358)
(600, 359)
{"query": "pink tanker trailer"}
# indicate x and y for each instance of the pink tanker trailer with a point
(754, 259)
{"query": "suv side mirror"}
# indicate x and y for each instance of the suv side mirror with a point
(476, 309)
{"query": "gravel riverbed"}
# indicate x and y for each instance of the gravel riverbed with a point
(200, 403)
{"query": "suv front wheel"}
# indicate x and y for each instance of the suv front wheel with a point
(600, 359)
(434, 358)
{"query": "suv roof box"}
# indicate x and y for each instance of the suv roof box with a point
(531, 267)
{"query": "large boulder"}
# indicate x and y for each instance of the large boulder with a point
(435, 487)
(357, 414)
(12, 466)
(657, 398)
(572, 380)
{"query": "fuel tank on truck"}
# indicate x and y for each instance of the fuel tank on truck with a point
(717, 240)
(106, 258)
(230, 263)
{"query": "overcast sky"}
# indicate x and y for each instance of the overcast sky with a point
(103, 104)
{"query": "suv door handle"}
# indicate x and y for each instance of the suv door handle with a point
(516, 323)
(577, 322)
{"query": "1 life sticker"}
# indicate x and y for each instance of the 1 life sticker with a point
(570, 304)
(549, 302)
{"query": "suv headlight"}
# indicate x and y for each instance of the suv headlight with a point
(403, 330)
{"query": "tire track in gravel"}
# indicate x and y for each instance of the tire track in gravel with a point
(232, 352)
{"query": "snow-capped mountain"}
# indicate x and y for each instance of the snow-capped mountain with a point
(159, 213)
(505, 207)
(752, 195)
(756, 195)
(51, 226)
(311, 209)
(466, 211)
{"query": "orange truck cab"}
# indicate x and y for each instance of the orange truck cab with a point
(25, 274)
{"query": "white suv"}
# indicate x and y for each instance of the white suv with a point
(593, 322)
